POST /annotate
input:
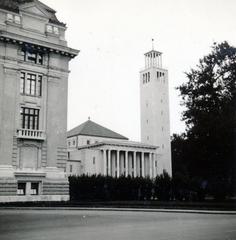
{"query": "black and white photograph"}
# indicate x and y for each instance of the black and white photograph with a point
(117, 120)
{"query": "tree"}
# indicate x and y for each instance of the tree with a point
(209, 97)
(163, 186)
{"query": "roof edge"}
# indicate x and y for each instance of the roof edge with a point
(92, 135)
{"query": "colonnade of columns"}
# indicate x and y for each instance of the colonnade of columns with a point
(153, 59)
(133, 163)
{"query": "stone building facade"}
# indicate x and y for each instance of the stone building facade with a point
(34, 59)
(94, 149)
(154, 108)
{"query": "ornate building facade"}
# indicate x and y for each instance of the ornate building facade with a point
(34, 59)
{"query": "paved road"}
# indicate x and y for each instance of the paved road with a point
(106, 225)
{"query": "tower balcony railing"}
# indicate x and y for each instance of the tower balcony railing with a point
(31, 134)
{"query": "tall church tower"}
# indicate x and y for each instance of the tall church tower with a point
(154, 96)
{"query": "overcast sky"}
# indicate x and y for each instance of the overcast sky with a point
(113, 35)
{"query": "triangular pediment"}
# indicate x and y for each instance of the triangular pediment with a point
(35, 8)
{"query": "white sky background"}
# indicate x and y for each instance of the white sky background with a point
(113, 35)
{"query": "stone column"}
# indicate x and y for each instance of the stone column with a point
(118, 163)
(126, 164)
(142, 157)
(135, 167)
(104, 162)
(150, 165)
(109, 163)
(154, 166)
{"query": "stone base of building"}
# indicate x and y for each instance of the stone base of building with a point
(42, 198)
(27, 185)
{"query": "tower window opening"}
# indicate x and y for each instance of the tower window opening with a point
(148, 76)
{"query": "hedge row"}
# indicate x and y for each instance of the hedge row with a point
(163, 187)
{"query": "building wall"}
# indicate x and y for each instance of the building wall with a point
(155, 123)
(86, 161)
(23, 159)
(82, 140)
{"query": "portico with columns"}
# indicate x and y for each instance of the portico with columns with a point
(129, 161)
(100, 151)
(118, 159)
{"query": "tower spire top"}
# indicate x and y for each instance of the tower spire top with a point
(152, 43)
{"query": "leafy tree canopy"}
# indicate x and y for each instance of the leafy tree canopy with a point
(209, 97)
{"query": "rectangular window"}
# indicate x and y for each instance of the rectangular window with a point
(88, 142)
(30, 118)
(39, 86)
(17, 19)
(31, 55)
(94, 160)
(22, 83)
(31, 84)
(71, 168)
(52, 29)
(34, 189)
(9, 17)
(56, 30)
(49, 29)
(21, 187)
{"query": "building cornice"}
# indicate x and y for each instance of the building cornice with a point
(38, 44)
(119, 144)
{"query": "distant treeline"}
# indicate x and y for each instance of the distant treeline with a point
(163, 188)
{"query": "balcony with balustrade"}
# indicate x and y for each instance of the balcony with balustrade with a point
(31, 134)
